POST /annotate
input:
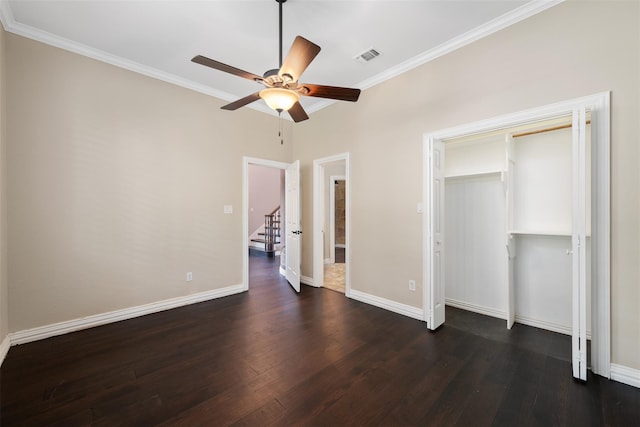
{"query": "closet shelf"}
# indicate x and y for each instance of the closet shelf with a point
(473, 175)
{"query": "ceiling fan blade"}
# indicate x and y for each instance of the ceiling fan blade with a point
(299, 57)
(242, 102)
(333, 92)
(207, 62)
(297, 113)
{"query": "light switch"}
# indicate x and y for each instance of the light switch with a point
(420, 208)
(228, 209)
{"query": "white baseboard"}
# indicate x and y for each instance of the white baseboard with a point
(549, 326)
(4, 348)
(487, 311)
(396, 307)
(524, 320)
(625, 375)
(307, 281)
(47, 331)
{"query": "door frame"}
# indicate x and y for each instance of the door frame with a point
(246, 161)
(599, 104)
(318, 219)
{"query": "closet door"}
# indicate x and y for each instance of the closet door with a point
(435, 257)
(579, 246)
(510, 242)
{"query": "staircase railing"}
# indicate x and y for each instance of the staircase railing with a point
(272, 230)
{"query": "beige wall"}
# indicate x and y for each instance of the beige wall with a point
(568, 51)
(116, 186)
(4, 292)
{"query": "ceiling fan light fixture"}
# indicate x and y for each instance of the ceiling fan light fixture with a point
(279, 99)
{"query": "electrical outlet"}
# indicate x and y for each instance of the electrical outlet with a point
(189, 276)
(412, 285)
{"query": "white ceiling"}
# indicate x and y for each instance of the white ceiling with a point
(159, 38)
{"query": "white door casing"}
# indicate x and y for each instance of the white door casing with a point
(510, 242)
(579, 246)
(292, 226)
(246, 161)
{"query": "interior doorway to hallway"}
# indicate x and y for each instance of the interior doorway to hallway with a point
(289, 217)
(331, 223)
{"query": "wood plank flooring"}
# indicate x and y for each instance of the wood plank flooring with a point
(271, 357)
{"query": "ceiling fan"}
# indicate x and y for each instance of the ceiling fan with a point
(282, 90)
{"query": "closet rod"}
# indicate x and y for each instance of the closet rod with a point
(534, 132)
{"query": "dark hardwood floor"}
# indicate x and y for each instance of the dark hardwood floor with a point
(271, 357)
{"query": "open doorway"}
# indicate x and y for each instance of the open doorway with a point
(282, 223)
(335, 245)
(331, 223)
(266, 210)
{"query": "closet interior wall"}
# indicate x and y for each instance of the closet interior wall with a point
(479, 224)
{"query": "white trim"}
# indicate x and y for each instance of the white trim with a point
(549, 326)
(306, 280)
(599, 105)
(340, 245)
(246, 161)
(47, 331)
(4, 348)
(387, 304)
(426, 248)
(318, 218)
(523, 320)
(487, 311)
(510, 18)
(625, 375)
(596, 101)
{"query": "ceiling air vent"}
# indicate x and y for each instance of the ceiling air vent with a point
(367, 55)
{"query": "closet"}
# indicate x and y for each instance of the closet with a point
(511, 209)
(517, 224)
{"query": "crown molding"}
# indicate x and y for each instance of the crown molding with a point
(14, 27)
(526, 11)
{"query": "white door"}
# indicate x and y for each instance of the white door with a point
(292, 226)
(435, 257)
(510, 242)
(579, 246)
